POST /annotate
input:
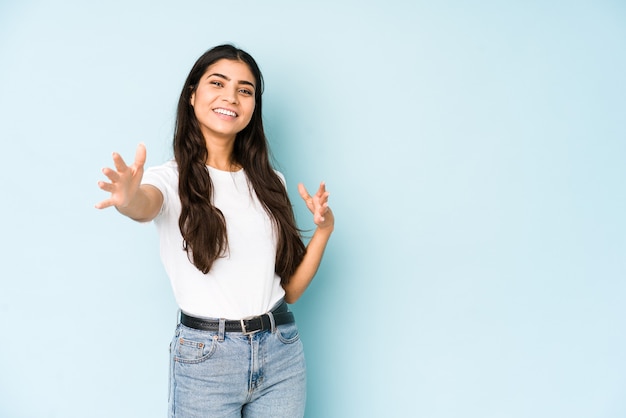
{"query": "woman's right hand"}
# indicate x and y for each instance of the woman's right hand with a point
(124, 180)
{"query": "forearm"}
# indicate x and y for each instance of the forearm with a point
(144, 206)
(308, 267)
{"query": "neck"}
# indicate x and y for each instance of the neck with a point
(220, 153)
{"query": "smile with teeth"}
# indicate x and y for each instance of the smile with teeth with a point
(225, 112)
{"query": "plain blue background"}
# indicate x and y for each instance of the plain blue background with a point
(475, 153)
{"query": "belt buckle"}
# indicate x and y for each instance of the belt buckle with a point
(244, 331)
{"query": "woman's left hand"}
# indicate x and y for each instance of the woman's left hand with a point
(318, 205)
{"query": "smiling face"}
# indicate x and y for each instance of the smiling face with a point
(224, 99)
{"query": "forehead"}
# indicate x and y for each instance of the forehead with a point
(234, 70)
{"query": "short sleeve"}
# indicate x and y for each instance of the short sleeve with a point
(165, 178)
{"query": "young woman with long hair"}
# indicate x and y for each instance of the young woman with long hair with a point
(230, 245)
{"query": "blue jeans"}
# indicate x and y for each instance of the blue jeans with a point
(215, 374)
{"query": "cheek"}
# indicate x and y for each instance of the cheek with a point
(250, 112)
(197, 114)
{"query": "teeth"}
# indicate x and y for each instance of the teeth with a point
(225, 112)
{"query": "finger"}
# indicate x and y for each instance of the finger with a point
(105, 204)
(107, 187)
(322, 189)
(111, 174)
(323, 209)
(304, 194)
(140, 155)
(324, 198)
(120, 165)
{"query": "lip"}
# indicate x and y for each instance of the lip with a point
(226, 112)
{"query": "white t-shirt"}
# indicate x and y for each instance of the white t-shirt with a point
(243, 283)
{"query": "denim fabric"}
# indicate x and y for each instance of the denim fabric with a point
(215, 374)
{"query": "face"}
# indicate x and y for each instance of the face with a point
(223, 101)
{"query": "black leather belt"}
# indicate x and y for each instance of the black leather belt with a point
(281, 316)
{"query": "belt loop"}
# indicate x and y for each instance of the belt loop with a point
(221, 330)
(272, 322)
(179, 314)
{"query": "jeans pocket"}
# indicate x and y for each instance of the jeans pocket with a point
(288, 333)
(188, 350)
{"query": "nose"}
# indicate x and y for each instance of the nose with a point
(230, 95)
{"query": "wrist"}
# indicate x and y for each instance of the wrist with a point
(325, 229)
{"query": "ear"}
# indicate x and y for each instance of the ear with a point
(192, 98)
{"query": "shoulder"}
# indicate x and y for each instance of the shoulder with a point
(169, 168)
(160, 175)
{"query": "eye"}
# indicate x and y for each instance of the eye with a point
(246, 92)
(217, 83)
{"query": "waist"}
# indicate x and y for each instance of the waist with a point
(280, 315)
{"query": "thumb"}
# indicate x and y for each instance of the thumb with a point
(140, 155)
(304, 194)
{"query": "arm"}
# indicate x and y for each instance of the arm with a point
(139, 202)
(325, 221)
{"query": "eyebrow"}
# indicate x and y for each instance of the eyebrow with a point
(248, 83)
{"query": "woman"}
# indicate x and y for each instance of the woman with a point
(230, 245)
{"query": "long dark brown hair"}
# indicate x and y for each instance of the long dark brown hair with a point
(202, 225)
